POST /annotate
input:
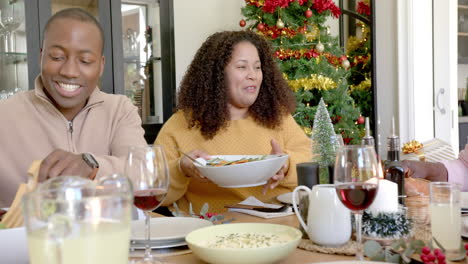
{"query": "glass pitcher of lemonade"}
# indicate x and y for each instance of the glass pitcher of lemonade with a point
(74, 220)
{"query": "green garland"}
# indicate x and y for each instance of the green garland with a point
(386, 225)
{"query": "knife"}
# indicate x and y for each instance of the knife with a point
(258, 208)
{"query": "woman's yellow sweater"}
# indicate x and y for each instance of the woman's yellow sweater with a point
(241, 137)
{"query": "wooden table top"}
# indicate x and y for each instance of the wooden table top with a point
(297, 257)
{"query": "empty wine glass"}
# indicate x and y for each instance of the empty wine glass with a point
(12, 17)
(356, 179)
(147, 169)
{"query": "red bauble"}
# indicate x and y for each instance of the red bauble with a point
(242, 23)
(308, 13)
(260, 26)
(361, 120)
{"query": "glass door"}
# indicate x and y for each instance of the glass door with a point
(142, 62)
(13, 58)
(141, 58)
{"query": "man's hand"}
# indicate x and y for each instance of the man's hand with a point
(187, 167)
(279, 176)
(426, 170)
(60, 163)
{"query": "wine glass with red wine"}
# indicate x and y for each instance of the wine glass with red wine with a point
(147, 169)
(356, 179)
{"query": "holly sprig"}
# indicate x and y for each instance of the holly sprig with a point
(204, 214)
(399, 251)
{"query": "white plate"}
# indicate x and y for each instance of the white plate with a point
(13, 246)
(141, 244)
(168, 230)
(285, 198)
(464, 200)
(464, 222)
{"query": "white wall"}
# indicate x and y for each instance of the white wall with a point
(194, 21)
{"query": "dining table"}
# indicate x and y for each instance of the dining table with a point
(298, 256)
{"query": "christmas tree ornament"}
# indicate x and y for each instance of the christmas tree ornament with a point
(360, 120)
(319, 47)
(308, 13)
(260, 26)
(328, 30)
(242, 23)
(345, 64)
(280, 23)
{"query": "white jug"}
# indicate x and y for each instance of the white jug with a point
(328, 220)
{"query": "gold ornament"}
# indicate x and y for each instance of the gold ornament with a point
(307, 131)
(412, 147)
(314, 82)
(280, 23)
(364, 85)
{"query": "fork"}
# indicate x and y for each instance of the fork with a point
(192, 159)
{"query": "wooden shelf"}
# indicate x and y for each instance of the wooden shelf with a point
(463, 9)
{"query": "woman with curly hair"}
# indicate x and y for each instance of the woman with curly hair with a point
(233, 100)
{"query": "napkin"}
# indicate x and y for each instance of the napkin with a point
(254, 201)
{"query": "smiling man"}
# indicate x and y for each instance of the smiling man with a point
(66, 121)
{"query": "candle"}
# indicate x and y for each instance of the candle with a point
(386, 200)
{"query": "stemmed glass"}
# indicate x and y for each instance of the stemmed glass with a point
(147, 169)
(11, 18)
(356, 179)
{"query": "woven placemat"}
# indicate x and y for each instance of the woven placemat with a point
(422, 232)
(347, 249)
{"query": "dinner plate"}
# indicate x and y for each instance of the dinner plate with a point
(285, 198)
(464, 200)
(464, 222)
(167, 230)
(141, 244)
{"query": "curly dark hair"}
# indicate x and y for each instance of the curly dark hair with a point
(203, 95)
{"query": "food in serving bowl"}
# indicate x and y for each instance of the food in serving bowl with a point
(243, 243)
(253, 170)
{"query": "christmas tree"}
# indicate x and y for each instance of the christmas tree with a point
(323, 136)
(325, 141)
(310, 58)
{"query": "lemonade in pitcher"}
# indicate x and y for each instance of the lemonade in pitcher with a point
(94, 243)
(71, 220)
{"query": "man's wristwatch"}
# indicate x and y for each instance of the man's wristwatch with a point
(92, 162)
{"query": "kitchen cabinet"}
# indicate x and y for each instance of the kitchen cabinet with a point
(136, 31)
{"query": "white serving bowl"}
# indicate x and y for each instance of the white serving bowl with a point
(13, 246)
(198, 242)
(247, 174)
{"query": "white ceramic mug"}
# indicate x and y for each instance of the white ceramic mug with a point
(328, 220)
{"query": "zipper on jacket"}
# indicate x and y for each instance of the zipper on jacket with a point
(70, 127)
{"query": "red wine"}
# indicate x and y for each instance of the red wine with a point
(356, 196)
(148, 200)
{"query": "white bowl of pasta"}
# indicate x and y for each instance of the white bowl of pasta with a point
(243, 243)
(236, 171)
